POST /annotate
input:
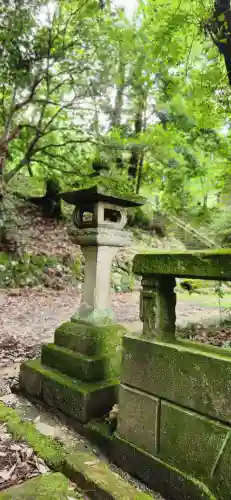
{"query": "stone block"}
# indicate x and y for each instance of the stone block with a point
(80, 400)
(190, 441)
(90, 340)
(138, 418)
(202, 264)
(185, 373)
(81, 367)
(30, 380)
(170, 482)
(221, 478)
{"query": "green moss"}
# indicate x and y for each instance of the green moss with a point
(72, 384)
(88, 339)
(192, 377)
(103, 479)
(190, 441)
(49, 486)
(209, 264)
(205, 349)
(174, 477)
(48, 449)
(79, 400)
(81, 367)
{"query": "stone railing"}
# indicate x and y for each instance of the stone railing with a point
(175, 395)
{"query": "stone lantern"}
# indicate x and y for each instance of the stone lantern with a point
(79, 373)
(99, 219)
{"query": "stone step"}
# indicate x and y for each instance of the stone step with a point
(77, 399)
(78, 366)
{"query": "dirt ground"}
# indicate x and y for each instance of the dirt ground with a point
(29, 317)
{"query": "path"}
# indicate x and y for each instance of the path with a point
(31, 316)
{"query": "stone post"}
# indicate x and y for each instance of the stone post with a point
(165, 309)
(148, 306)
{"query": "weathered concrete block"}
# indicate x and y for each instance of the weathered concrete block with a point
(80, 400)
(207, 264)
(81, 367)
(189, 441)
(184, 373)
(138, 418)
(90, 340)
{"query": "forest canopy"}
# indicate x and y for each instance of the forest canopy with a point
(91, 95)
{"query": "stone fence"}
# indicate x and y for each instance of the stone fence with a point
(175, 395)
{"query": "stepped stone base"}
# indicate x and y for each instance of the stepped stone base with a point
(79, 374)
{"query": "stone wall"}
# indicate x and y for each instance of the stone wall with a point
(175, 395)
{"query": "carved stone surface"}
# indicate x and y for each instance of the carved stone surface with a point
(148, 306)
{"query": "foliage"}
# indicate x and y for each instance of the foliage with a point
(35, 270)
(147, 98)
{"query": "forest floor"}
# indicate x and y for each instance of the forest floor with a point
(29, 317)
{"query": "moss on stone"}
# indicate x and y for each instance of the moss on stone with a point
(78, 366)
(48, 449)
(190, 441)
(101, 478)
(90, 340)
(207, 264)
(72, 384)
(49, 486)
(184, 375)
(80, 400)
(169, 480)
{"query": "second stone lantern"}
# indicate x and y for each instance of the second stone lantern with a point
(100, 219)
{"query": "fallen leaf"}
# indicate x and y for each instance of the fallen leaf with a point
(93, 462)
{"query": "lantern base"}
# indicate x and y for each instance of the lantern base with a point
(94, 316)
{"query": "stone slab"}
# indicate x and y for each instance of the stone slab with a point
(202, 264)
(138, 418)
(95, 194)
(189, 441)
(81, 401)
(81, 367)
(90, 340)
(100, 480)
(49, 486)
(171, 482)
(185, 373)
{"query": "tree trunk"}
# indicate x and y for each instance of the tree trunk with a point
(137, 157)
(220, 30)
(117, 111)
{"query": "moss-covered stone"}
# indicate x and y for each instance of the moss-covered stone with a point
(158, 475)
(33, 383)
(100, 480)
(189, 441)
(138, 418)
(90, 340)
(81, 367)
(80, 400)
(221, 478)
(49, 450)
(181, 373)
(49, 486)
(207, 264)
